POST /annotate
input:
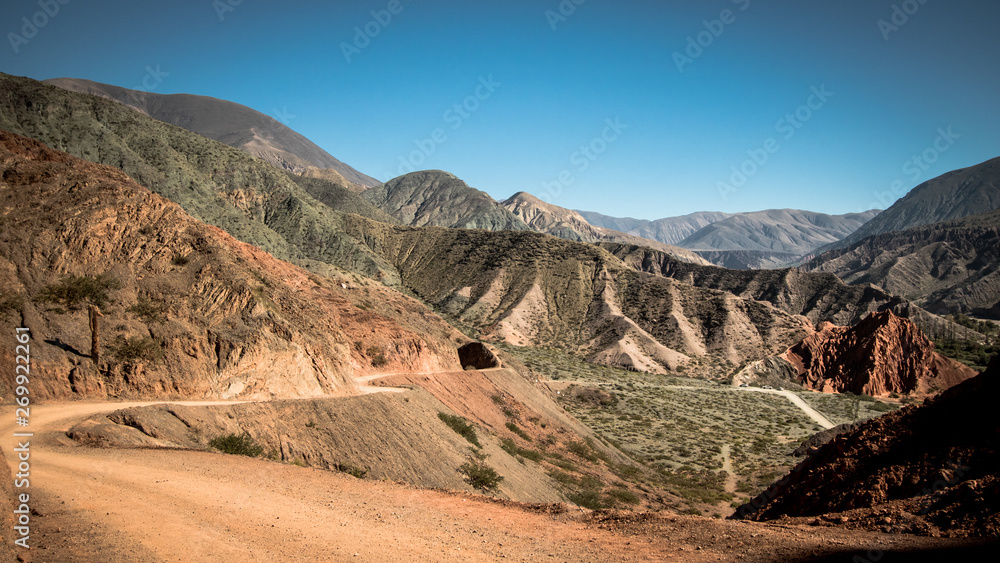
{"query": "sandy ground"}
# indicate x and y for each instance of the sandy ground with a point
(166, 505)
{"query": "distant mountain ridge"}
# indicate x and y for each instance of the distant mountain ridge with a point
(227, 122)
(956, 194)
(670, 230)
(772, 238)
(947, 268)
(435, 198)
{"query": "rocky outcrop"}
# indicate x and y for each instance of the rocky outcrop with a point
(881, 355)
(188, 311)
(476, 355)
(929, 469)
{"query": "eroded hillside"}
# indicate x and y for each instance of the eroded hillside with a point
(188, 311)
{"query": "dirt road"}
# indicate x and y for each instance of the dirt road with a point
(812, 413)
(144, 505)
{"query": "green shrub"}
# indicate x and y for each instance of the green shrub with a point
(517, 430)
(623, 495)
(377, 356)
(147, 310)
(510, 447)
(72, 290)
(588, 498)
(136, 349)
(179, 260)
(237, 444)
(351, 470)
(461, 426)
(583, 450)
(480, 475)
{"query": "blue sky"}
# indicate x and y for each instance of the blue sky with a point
(629, 108)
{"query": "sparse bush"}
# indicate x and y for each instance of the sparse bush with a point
(237, 444)
(352, 470)
(179, 260)
(583, 450)
(461, 426)
(136, 349)
(517, 430)
(376, 356)
(72, 290)
(588, 498)
(147, 311)
(623, 495)
(510, 447)
(480, 475)
(10, 303)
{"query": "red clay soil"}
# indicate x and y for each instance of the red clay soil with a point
(881, 355)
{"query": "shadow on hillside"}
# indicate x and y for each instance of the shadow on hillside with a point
(982, 550)
(66, 347)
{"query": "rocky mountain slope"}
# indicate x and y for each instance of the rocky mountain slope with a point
(531, 289)
(227, 122)
(957, 194)
(245, 196)
(816, 296)
(438, 199)
(929, 469)
(947, 268)
(188, 311)
(880, 356)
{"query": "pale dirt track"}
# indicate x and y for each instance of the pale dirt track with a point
(144, 505)
(163, 505)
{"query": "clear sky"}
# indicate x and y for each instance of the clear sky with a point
(645, 109)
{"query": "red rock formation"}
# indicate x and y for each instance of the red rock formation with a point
(882, 354)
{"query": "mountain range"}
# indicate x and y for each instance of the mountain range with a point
(153, 262)
(764, 239)
(233, 124)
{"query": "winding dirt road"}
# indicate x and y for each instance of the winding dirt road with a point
(149, 505)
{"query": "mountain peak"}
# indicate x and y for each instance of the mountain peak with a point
(228, 122)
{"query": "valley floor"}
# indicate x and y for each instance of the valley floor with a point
(95, 504)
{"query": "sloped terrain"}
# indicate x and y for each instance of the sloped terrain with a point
(227, 122)
(946, 268)
(394, 436)
(438, 199)
(816, 296)
(188, 311)
(531, 289)
(930, 470)
(959, 193)
(879, 356)
(222, 186)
